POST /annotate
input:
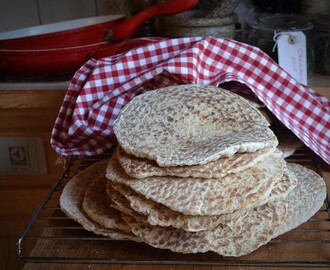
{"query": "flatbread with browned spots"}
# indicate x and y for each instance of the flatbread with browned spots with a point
(191, 124)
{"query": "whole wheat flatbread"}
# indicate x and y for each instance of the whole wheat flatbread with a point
(158, 214)
(288, 142)
(72, 196)
(256, 102)
(197, 196)
(148, 211)
(119, 202)
(304, 200)
(143, 167)
(96, 205)
(244, 235)
(236, 238)
(190, 125)
(252, 99)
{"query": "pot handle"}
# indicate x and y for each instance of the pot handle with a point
(131, 26)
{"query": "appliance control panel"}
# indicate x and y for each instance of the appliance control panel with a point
(22, 156)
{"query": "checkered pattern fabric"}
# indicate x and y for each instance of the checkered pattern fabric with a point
(101, 88)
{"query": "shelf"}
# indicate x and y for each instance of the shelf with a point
(23, 86)
(318, 80)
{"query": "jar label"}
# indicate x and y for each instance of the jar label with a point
(292, 54)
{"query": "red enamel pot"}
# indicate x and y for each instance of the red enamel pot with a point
(60, 35)
(60, 49)
(58, 63)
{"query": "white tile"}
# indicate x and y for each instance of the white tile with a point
(60, 10)
(15, 14)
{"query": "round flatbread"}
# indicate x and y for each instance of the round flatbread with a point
(288, 142)
(304, 200)
(190, 125)
(96, 205)
(243, 235)
(200, 196)
(71, 201)
(235, 238)
(158, 214)
(143, 167)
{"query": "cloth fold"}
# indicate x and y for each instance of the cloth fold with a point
(101, 88)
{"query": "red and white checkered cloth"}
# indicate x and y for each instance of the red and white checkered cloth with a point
(101, 88)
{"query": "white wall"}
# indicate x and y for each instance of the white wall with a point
(15, 14)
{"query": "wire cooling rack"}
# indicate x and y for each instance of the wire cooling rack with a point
(50, 236)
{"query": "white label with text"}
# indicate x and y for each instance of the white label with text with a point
(292, 54)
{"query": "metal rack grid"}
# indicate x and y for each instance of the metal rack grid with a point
(52, 237)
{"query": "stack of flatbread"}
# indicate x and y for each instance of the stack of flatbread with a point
(196, 169)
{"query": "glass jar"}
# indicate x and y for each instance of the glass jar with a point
(322, 43)
(311, 8)
(262, 34)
